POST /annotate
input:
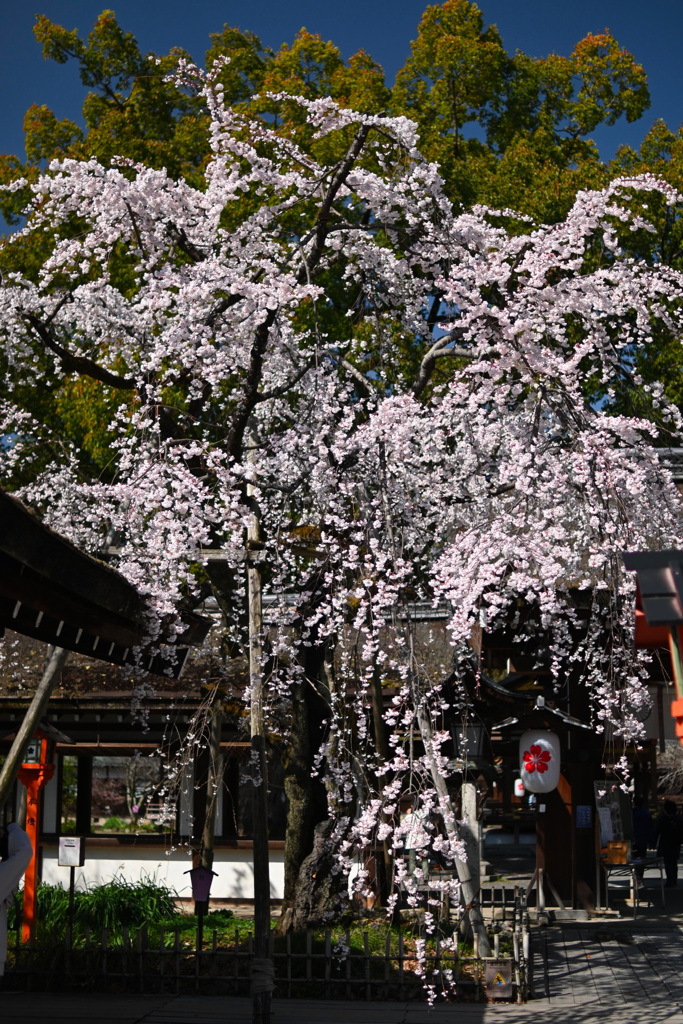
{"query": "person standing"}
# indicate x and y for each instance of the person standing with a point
(16, 857)
(669, 835)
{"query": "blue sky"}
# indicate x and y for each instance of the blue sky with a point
(652, 31)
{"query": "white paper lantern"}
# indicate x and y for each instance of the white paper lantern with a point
(539, 760)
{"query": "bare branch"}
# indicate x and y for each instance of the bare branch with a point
(359, 377)
(265, 396)
(78, 364)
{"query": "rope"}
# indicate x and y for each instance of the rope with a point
(262, 976)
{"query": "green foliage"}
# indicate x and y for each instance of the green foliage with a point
(454, 73)
(116, 905)
(530, 149)
(510, 131)
(46, 137)
(313, 68)
(122, 904)
(243, 77)
(114, 824)
(130, 109)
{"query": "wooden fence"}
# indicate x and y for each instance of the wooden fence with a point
(368, 965)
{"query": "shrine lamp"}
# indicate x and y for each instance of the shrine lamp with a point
(539, 760)
(469, 742)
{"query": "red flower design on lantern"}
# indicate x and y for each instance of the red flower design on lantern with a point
(536, 759)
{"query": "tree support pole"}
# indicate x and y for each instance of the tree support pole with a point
(262, 974)
(470, 894)
(32, 717)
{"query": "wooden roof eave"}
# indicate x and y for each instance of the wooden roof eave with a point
(52, 591)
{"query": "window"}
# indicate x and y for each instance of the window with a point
(127, 795)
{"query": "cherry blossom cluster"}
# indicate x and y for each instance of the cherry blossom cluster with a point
(419, 400)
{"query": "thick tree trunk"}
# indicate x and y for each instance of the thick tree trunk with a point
(321, 890)
(307, 805)
(298, 790)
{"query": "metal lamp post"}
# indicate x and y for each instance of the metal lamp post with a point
(469, 742)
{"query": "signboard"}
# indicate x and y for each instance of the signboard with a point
(498, 978)
(71, 852)
(584, 816)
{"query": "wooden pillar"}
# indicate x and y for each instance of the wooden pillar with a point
(471, 830)
(554, 838)
(199, 797)
(262, 975)
(83, 795)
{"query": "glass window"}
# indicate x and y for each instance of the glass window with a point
(127, 795)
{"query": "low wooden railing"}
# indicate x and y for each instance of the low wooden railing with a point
(311, 964)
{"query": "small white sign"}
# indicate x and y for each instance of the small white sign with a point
(71, 852)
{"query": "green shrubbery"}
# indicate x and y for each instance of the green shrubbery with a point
(116, 905)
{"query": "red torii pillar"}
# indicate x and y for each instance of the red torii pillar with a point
(34, 775)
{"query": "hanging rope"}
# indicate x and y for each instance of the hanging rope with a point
(262, 976)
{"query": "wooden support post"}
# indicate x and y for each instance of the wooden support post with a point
(470, 894)
(262, 980)
(83, 794)
(214, 784)
(27, 729)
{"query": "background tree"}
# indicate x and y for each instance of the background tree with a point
(527, 145)
(509, 131)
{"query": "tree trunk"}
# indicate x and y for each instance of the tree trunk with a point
(321, 890)
(307, 806)
(298, 787)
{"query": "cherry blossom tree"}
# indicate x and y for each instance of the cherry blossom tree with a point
(387, 402)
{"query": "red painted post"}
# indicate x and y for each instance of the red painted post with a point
(676, 649)
(34, 776)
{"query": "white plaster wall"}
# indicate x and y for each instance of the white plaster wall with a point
(234, 872)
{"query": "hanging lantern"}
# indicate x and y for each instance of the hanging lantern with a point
(539, 760)
(201, 879)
